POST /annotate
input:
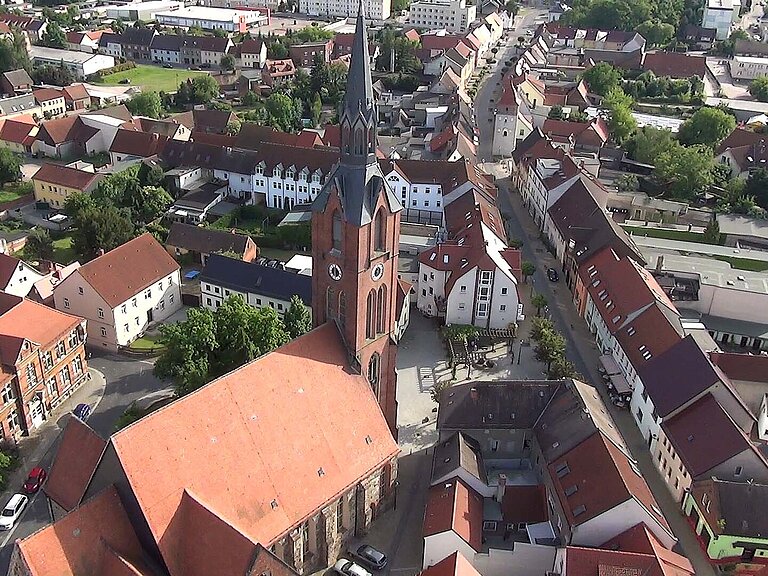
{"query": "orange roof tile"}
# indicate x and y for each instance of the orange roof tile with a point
(454, 506)
(37, 323)
(125, 271)
(76, 458)
(84, 542)
(258, 470)
(454, 565)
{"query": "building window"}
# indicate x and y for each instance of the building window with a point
(738, 471)
(60, 349)
(381, 315)
(503, 291)
(337, 231)
(374, 368)
(330, 300)
(148, 293)
(66, 302)
(104, 332)
(342, 308)
(503, 307)
(340, 516)
(80, 290)
(13, 420)
(133, 302)
(48, 360)
(65, 378)
(370, 315)
(7, 393)
(31, 375)
(380, 232)
(51, 387)
(77, 365)
(101, 312)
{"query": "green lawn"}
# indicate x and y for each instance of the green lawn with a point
(14, 190)
(147, 343)
(63, 251)
(681, 235)
(151, 77)
(744, 263)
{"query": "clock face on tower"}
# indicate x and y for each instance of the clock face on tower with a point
(334, 271)
(377, 272)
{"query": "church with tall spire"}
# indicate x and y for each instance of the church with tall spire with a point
(356, 237)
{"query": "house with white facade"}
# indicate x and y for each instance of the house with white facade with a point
(669, 383)
(472, 277)
(720, 15)
(259, 286)
(16, 276)
(121, 293)
(376, 10)
(80, 64)
(452, 15)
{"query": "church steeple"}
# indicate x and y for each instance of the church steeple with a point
(358, 115)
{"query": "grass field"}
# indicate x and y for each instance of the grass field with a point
(14, 190)
(63, 252)
(151, 77)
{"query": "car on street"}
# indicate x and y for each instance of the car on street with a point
(167, 65)
(370, 557)
(12, 511)
(552, 275)
(35, 480)
(348, 568)
(82, 411)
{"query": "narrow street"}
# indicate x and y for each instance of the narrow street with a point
(581, 348)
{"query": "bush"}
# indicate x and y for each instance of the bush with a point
(130, 65)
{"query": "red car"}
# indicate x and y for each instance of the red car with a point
(35, 480)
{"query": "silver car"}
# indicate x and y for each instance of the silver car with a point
(346, 567)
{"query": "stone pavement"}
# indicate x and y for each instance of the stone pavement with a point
(38, 448)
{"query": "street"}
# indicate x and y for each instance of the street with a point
(127, 379)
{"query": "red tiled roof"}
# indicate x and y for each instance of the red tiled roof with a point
(37, 323)
(141, 144)
(704, 436)
(47, 94)
(440, 41)
(15, 131)
(745, 367)
(740, 137)
(8, 265)
(255, 469)
(604, 477)
(454, 506)
(454, 565)
(75, 92)
(65, 176)
(332, 135)
(128, 269)
(640, 540)
(650, 334)
(524, 504)
(97, 538)
(675, 64)
(78, 454)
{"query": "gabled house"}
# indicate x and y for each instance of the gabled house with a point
(702, 442)
(42, 352)
(122, 292)
(277, 72)
(15, 82)
(76, 97)
(675, 65)
(200, 243)
(742, 151)
(16, 276)
(18, 133)
(132, 145)
(669, 383)
(51, 102)
(68, 136)
(259, 286)
(730, 523)
(42, 290)
(252, 53)
(589, 136)
(54, 183)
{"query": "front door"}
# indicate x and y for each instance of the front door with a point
(36, 411)
(149, 315)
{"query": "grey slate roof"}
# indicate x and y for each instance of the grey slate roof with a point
(256, 279)
(205, 240)
(18, 77)
(17, 104)
(458, 451)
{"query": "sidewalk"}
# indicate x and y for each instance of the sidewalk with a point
(37, 448)
(582, 343)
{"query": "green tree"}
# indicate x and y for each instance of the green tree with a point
(602, 78)
(39, 244)
(759, 88)
(118, 26)
(197, 90)
(648, 143)
(550, 346)
(283, 112)
(627, 183)
(320, 76)
(57, 75)
(312, 34)
(561, 368)
(189, 346)
(54, 37)
(101, 228)
(540, 326)
(195, 31)
(233, 127)
(10, 166)
(512, 7)
(539, 301)
(621, 123)
(13, 53)
(757, 186)
(404, 50)
(685, 171)
(712, 232)
(147, 202)
(297, 318)
(151, 175)
(527, 269)
(708, 126)
(556, 112)
(77, 203)
(316, 110)
(250, 98)
(656, 32)
(219, 33)
(227, 62)
(147, 104)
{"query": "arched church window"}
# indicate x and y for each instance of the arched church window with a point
(374, 372)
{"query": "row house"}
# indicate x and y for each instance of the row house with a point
(54, 183)
(51, 102)
(189, 50)
(123, 292)
(473, 276)
(43, 362)
(33, 27)
(586, 136)
(251, 53)
(306, 529)
(557, 440)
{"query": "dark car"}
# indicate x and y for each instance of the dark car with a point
(167, 65)
(35, 480)
(552, 275)
(196, 68)
(125, 81)
(369, 556)
(82, 411)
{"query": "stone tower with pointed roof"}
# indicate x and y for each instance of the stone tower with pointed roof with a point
(355, 239)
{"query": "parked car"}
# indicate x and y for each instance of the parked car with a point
(82, 411)
(35, 480)
(205, 65)
(167, 65)
(125, 81)
(13, 510)
(348, 568)
(370, 557)
(552, 275)
(197, 68)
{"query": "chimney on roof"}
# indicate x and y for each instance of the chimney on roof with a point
(473, 393)
(501, 488)
(660, 263)
(100, 252)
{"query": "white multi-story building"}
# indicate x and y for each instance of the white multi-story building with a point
(748, 67)
(211, 18)
(452, 15)
(122, 292)
(145, 11)
(79, 63)
(720, 15)
(377, 10)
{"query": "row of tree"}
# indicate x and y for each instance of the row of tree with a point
(550, 349)
(655, 19)
(211, 343)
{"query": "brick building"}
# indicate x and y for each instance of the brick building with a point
(42, 352)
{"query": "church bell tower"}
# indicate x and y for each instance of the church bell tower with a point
(356, 237)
